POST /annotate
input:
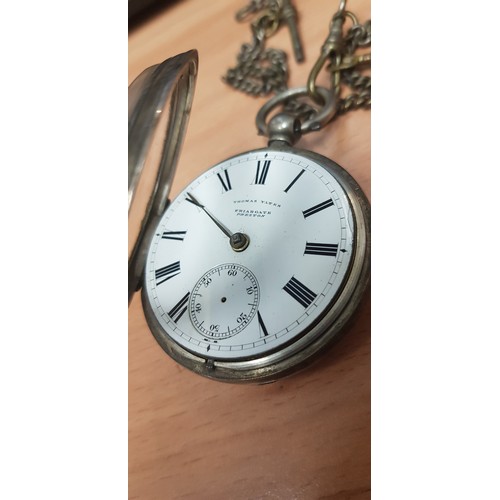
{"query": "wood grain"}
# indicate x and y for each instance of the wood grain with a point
(306, 436)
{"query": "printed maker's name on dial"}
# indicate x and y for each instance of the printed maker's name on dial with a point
(263, 202)
(251, 213)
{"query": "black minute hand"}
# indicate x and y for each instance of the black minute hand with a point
(219, 224)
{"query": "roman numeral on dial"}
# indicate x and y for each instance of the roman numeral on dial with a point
(329, 249)
(262, 326)
(173, 235)
(300, 292)
(165, 273)
(317, 208)
(260, 176)
(294, 181)
(179, 309)
(226, 185)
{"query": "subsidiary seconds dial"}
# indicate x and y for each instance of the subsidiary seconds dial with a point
(224, 301)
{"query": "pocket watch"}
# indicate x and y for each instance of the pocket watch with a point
(259, 263)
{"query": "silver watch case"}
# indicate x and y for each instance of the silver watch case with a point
(303, 349)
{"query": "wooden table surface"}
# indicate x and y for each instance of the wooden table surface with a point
(306, 436)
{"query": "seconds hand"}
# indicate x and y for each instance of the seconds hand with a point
(238, 241)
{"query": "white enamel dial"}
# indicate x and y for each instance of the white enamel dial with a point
(296, 220)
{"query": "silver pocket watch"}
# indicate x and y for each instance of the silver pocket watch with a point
(258, 264)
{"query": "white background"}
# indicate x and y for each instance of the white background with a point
(63, 352)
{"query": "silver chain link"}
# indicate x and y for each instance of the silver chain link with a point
(260, 71)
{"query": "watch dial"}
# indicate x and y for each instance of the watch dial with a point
(250, 255)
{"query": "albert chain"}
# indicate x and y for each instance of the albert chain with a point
(260, 70)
